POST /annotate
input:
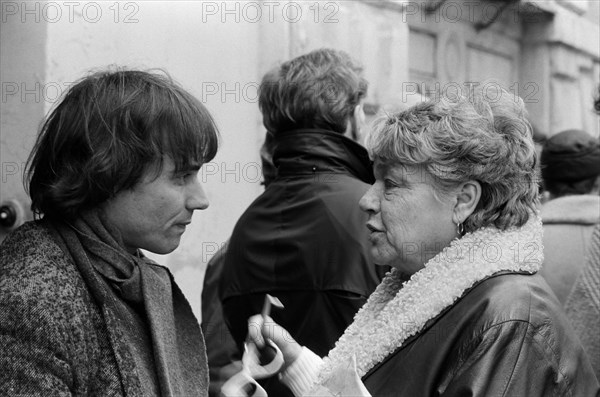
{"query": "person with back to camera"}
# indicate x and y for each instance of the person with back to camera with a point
(82, 311)
(583, 302)
(570, 164)
(303, 239)
(454, 206)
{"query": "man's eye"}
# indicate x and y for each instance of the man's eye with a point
(184, 177)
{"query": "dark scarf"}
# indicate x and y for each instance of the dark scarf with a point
(177, 341)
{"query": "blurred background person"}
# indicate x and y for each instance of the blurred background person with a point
(583, 303)
(570, 163)
(303, 240)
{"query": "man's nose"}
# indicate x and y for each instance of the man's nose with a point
(197, 199)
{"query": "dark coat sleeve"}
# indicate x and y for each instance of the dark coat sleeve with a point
(515, 359)
(224, 358)
(507, 336)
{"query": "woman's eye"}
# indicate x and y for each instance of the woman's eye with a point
(388, 184)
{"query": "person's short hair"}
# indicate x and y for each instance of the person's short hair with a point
(320, 89)
(269, 171)
(597, 101)
(107, 130)
(483, 135)
(570, 163)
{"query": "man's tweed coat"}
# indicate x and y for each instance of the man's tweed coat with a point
(55, 340)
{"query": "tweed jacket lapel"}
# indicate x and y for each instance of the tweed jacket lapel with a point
(102, 295)
(125, 362)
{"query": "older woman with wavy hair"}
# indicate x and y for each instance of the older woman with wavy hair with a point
(463, 312)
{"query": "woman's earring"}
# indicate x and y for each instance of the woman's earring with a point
(460, 228)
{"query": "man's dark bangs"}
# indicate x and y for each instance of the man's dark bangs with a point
(189, 134)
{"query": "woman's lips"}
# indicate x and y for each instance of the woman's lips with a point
(373, 229)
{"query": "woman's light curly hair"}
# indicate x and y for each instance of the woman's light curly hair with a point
(483, 136)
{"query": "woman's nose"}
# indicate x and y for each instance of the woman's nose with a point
(368, 201)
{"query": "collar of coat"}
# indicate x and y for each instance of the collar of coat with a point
(398, 310)
(308, 151)
(579, 209)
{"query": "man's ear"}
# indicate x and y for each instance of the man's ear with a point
(467, 198)
(359, 114)
(356, 124)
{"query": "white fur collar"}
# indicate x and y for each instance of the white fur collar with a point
(394, 312)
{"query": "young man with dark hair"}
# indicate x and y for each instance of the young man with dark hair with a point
(82, 311)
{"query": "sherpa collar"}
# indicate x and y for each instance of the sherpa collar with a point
(396, 311)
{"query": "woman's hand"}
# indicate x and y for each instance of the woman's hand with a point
(263, 327)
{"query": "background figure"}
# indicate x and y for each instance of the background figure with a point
(583, 303)
(303, 240)
(570, 164)
(82, 311)
(221, 350)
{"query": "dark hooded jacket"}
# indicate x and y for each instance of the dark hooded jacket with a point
(304, 240)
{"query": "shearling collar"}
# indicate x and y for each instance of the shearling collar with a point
(398, 310)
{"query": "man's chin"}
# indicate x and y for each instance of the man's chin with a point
(163, 249)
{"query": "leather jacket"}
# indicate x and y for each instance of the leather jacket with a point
(507, 336)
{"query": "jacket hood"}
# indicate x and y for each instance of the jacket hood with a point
(308, 151)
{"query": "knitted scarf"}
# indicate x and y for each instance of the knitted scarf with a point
(398, 309)
(177, 341)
